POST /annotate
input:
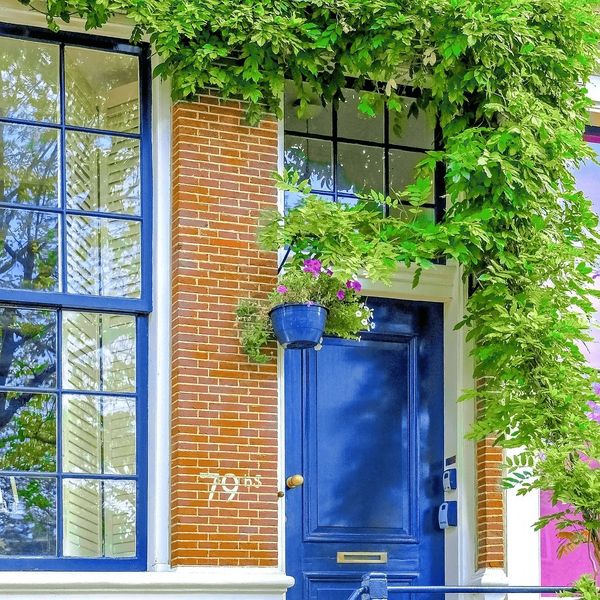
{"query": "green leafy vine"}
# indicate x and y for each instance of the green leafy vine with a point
(504, 79)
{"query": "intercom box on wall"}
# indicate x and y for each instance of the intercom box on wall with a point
(448, 514)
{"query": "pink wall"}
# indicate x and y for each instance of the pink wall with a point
(574, 564)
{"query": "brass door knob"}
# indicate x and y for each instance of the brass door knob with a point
(294, 481)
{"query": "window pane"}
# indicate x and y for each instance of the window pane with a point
(312, 159)
(416, 132)
(27, 348)
(98, 352)
(103, 173)
(27, 516)
(293, 200)
(103, 256)
(356, 125)
(27, 431)
(98, 434)
(29, 250)
(28, 165)
(318, 117)
(102, 89)
(360, 168)
(28, 80)
(99, 518)
(348, 200)
(412, 213)
(402, 170)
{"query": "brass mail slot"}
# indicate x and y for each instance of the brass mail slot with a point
(362, 557)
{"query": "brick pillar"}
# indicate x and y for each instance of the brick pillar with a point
(490, 506)
(224, 409)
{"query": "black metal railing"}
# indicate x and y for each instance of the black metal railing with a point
(374, 586)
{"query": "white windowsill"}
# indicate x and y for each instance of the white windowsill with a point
(187, 580)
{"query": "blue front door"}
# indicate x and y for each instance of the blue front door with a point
(364, 426)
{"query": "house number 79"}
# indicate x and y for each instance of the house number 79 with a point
(230, 483)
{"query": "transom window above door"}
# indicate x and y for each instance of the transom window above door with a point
(344, 153)
(75, 234)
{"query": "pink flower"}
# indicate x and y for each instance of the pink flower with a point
(281, 289)
(352, 284)
(341, 294)
(312, 266)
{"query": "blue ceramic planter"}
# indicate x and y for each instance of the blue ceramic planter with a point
(298, 326)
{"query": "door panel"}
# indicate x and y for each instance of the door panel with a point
(344, 440)
(364, 426)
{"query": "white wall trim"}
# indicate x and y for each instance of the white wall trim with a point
(280, 374)
(11, 11)
(185, 583)
(489, 576)
(523, 543)
(492, 577)
(159, 348)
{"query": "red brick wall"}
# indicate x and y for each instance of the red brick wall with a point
(224, 410)
(490, 506)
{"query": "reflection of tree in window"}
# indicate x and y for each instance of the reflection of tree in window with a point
(74, 230)
(29, 250)
(312, 159)
(27, 362)
(28, 165)
(27, 429)
(27, 516)
(28, 80)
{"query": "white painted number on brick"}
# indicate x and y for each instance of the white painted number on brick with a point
(229, 484)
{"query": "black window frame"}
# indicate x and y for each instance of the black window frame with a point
(439, 201)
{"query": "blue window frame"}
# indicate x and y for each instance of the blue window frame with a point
(75, 294)
(343, 153)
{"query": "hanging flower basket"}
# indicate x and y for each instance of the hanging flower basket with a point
(299, 326)
(309, 300)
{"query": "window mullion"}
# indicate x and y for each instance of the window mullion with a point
(386, 157)
(334, 133)
(62, 230)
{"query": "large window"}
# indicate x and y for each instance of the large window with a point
(74, 298)
(343, 152)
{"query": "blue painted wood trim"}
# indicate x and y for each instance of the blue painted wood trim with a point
(136, 307)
